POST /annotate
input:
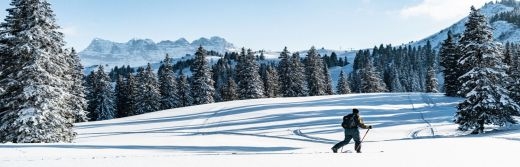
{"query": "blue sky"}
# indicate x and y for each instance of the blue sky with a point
(258, 24)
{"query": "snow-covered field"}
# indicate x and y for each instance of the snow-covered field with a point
(410, 129)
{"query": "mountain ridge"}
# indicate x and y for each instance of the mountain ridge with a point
(503, 31)
(136, 51)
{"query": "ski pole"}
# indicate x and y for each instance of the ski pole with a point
(362, 139)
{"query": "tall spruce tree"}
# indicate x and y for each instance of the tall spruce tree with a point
(35, 77)
(229, 92)
(249, 82)
(148, 98)
(476, 34)
(449, 57)
(184, 91)
(297, 84)
(122, 97)
(514, 72)
(343, 86)
(132, 95)
(396, 82)
(202, 86)
(77, 101)
(221, 72)
(271, 82)
(315, 75)
(328, 80)
(484, 84)
(284, 70)
(168, 85)
(371, 82)
(101, 97)
(431, 81)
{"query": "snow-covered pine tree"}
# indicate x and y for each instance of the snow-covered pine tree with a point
(284, 70)
(77, 89)
(148, 98)
(449, 57)
(122, 97)
(362, 58)
(431, 81)
(36, 87)
(132, 90)
(315, 75)
(370, 80)
(297, 84)
(514, 72)
(90, 82)
(184, 91)
(343, 86)
(487, 100)
(103, 96)
(396, 82)
(202, 85)
(229, 92)
(477, 33)
(249, 82)
(221, 72)
(328, 80)
(168, 85)
(271, 82)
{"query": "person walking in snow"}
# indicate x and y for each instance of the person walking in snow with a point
(350, 123)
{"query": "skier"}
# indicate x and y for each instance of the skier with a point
(350, 123)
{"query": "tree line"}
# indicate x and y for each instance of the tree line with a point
(234, 76)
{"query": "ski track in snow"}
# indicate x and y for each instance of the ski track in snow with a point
(430, 104)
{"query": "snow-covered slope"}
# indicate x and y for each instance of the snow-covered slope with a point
(410, 129)
(139, 52)
(502, 31)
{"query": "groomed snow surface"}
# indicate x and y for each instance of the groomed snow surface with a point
(410, 129)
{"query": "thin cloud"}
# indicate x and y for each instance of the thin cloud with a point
(441, 10)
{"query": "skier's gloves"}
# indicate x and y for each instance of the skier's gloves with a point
(370, 127)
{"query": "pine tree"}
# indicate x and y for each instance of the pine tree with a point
(343, 86)
(221, 72)
(328, 81)
(122, 97)
(370, 80)
(271, 82)
(36, 78)
(514, 87)
(148, 98)
(314, 70)
(132, 95)
(431, 81)
(184, 91)
(284, 76)
(484, 84)
(334, 60)
(104, 96)
(449, 57)
(90, 84)
(168, 85)
(477, 32)
(77, 101)
(230, 90)
(396, 82)
(249, 82)
(297, 84)
(202, 86)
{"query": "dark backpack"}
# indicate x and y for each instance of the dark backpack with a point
(349, 121)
